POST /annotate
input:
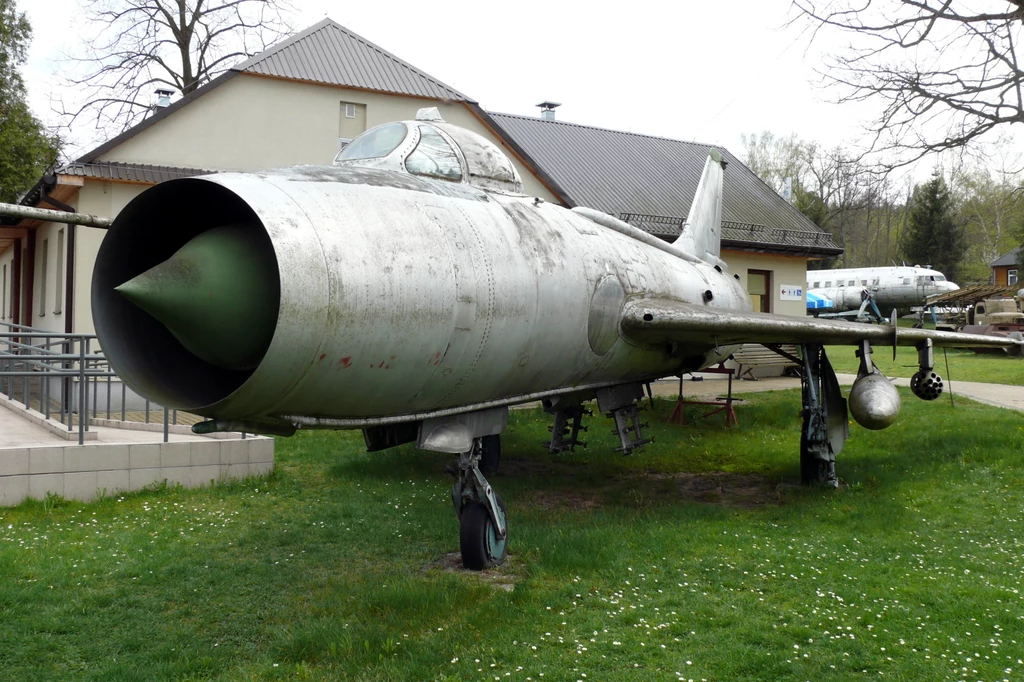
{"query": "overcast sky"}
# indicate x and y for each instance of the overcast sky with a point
(703, 71)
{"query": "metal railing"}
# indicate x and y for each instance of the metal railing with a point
(67, 378)
(753, 232)
(775, 235)
(655, 224)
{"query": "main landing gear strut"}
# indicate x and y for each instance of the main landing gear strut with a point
(825, 423)
(483, 528)
(473, 438)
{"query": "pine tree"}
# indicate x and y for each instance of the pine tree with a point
(933, 235)
(27, 148)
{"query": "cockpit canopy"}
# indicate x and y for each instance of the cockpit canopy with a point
(433, 149)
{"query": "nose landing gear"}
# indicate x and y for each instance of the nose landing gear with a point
(483, 529)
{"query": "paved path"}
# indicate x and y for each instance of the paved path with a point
(18, 432)
(713, 385)
(1000, 395)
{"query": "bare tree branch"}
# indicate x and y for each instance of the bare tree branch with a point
(138, 45)
(946, 74)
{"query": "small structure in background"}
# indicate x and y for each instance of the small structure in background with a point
(1005, 269)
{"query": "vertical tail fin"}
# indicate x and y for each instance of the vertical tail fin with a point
(702, 233)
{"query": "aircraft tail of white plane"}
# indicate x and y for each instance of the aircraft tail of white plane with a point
(702, 233)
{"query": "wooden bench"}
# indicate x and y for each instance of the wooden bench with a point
(754, 355)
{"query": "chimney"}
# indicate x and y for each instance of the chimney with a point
(163, 98)
(547, 110)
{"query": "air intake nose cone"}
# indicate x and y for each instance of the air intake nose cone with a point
(218, 295)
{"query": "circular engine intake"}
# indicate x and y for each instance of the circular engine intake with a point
(174, 333)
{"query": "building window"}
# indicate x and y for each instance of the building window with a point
(3, 301)
(58, 294)
(352, 122)
(1011, 277)
(817, 285)
(759, 286)
(43, 276)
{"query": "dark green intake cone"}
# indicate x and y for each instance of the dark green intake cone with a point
(218, 295)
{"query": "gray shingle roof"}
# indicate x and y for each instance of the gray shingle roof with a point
(329, 53)
(108, 170)
(1007, 259)
(130, 172)
(654, 179)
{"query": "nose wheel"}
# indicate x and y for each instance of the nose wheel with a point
(483, 530)
(479, 541)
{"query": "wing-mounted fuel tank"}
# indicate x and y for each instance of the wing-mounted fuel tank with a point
(874, 401)
(411, 277)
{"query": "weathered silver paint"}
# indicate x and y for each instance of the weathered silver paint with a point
(403, 297)
(622, 227)
(456, 435)
(657, 320)
(459, 301)
(874, 402)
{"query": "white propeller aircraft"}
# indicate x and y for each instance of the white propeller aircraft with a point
(877, 289)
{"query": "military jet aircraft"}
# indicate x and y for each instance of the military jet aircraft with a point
(413, 291)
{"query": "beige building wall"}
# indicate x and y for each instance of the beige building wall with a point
(49, 300)
(97, 197)
(254, 122)
(790, 271)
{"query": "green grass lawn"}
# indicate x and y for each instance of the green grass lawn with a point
(964, 364)
(698, 559)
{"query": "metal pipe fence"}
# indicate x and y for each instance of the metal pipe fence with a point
(67, 378)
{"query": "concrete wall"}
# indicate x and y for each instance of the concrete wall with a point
(253, 122)
(786, 270)
(84, 472)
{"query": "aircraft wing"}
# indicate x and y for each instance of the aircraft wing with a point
(663, 321)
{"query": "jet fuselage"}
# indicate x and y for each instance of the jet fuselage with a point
(401, 296)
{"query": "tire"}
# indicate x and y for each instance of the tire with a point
(480, 546)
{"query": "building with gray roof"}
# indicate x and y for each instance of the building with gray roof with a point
(650, 181)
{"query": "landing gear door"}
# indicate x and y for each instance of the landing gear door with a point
(838, 423)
